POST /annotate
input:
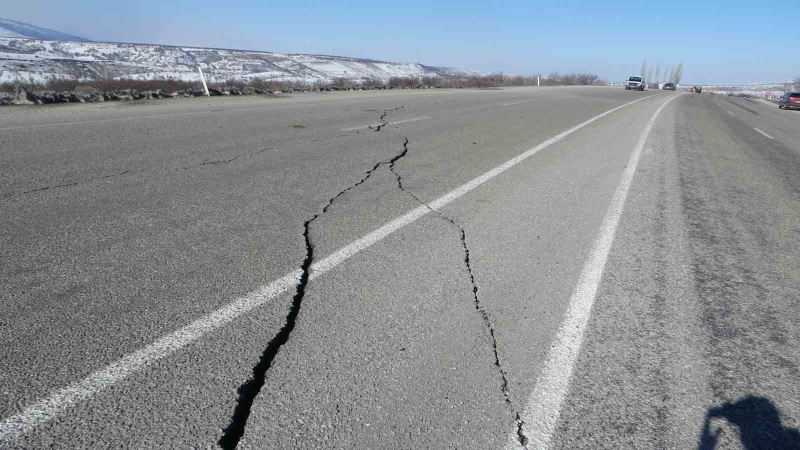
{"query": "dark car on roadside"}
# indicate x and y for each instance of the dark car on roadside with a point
(669, 87)
(789, 100)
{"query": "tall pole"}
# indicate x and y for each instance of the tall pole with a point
(203, 79)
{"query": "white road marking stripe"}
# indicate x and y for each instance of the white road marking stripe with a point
(396, 122)
(730, 113)
(791, 114)
(47, 408)
(143, 116)
(544, 404)
(110, 119)
(765, 134)
(516, 103)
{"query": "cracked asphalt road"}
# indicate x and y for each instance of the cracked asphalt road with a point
(122, 223)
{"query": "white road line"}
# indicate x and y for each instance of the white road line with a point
(110, 119)
(544, 404)
(143, 116)
(730, 113)
(59, 401)
(765, 134)
(775, 106)
(396, 122)
(516, 103)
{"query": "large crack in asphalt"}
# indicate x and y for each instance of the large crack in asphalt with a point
(382, 119)
(248, 391)
(479, 307)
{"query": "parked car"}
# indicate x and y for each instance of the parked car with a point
(669, 87)
(635, 82)
(789, 100)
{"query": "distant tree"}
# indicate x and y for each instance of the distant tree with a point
(515, 80)
(678, 74)
(430, 81)
(371, 83)
(587, 79)
(342, 83)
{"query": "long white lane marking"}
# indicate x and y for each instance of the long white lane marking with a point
(396, 122)
(766, 102)
(123, 118)
(59, 401)
(516, 103)
(765, 134)
(88, 122)
(544, 404)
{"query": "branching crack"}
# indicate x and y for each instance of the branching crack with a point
(479, 308)
(251, 388)
(382, 118)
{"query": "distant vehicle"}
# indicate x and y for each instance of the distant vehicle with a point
(635, 82)
(669, 87)
(789, 100)
(699, 89)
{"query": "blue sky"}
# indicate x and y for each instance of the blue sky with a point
(731, 41)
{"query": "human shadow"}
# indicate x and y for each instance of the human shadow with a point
(759, 424)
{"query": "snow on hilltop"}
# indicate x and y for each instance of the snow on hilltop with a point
(14, 28)
(38, 60)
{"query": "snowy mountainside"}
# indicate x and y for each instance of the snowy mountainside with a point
(39, 60)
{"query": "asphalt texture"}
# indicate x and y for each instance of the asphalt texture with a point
(122, 223)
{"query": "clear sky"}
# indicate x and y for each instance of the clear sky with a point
(718, 41)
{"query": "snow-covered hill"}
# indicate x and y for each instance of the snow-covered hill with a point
(38, 60)
(17, 29)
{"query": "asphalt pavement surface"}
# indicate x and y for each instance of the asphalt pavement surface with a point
(503, 268)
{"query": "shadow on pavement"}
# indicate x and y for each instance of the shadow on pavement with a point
(759, 424)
